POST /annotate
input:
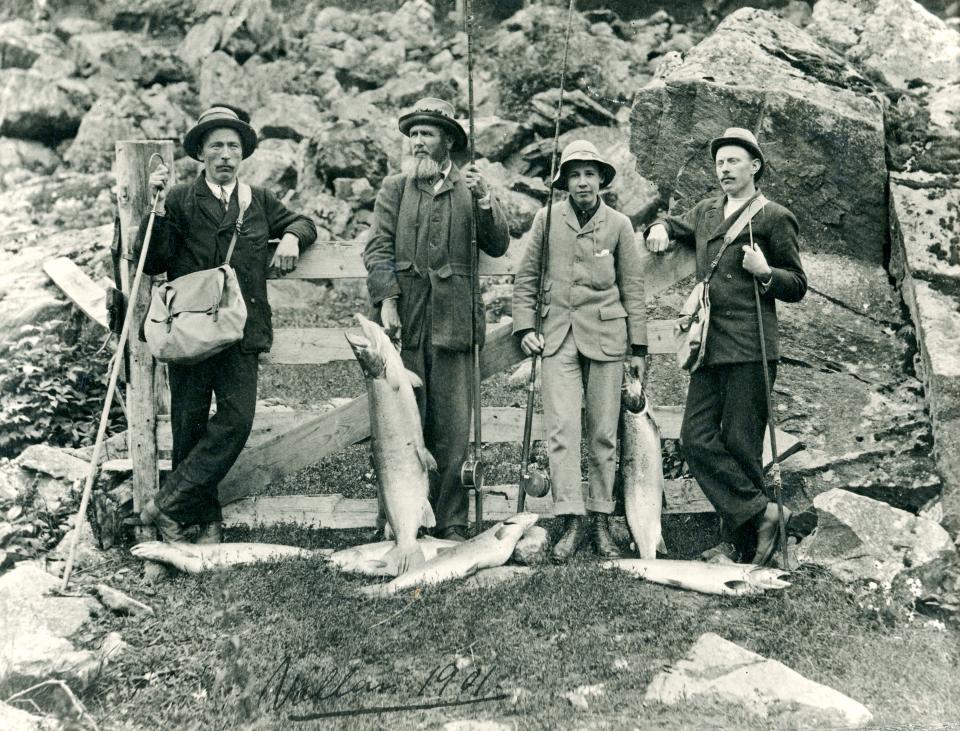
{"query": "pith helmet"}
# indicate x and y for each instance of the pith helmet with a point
(437, 112)
(583, 151)
(741, 138)
(213, 118)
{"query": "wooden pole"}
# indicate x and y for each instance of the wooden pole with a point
(133, 201)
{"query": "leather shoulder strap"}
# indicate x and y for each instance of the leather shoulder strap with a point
(753, 208)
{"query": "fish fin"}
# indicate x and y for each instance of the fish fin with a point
(399, 560)
(427, 518)
(388, 532)
(739, 586)
(415, 380)
(427, 460)
(661, 546)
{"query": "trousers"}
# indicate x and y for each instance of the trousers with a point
(205, 447)
(571, 380)
(722, 438)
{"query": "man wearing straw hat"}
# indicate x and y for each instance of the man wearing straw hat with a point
(418, 258)
(726, 410)
(192, 232)
(593, 319)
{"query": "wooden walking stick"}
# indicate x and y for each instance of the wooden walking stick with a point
(775, 468)
(472, 471)
(108, 399)
(532, 480)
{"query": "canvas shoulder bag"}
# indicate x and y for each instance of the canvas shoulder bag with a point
(691, 327)
(198, 315)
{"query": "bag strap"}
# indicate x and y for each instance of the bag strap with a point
(753, 208)
(244, 195)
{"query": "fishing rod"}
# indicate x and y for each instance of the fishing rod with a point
(472, 471)
(534, 481)
(111, 388)
(775, 468)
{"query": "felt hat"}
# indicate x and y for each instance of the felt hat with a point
(741, 138)
(437, 112)
(213, 118)
(583, 151)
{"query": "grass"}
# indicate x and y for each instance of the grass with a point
(211, 657)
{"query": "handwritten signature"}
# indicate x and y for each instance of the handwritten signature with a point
(446, 685)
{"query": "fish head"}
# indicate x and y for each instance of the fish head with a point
(524, 520)
(632, 396)
(371, 363)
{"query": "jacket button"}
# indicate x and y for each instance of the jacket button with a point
(729, 276)
(253, 299)
(728, 313)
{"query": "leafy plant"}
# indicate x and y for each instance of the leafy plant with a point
(52, 384)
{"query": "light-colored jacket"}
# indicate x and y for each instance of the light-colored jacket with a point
(594, 283)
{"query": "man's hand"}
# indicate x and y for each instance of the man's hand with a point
(532, 343)
(158, 183)
(756, 263)
(637, 367)
(658, 239)
(475, 182)
(390, 318)
(287, 255)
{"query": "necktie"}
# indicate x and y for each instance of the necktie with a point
(224, 201)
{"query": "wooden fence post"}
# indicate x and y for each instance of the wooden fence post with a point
(133, 201)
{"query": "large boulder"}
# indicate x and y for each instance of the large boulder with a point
(857, 538)
(273, 166)
(717, 670)
(820, 129)
(144, 114)
(34, 107)
(343, 149)
(243, 27)
(16, 719)
(223, 80)
(21, 159)
(497, 139)
(898, 40)
(124, 57)
(287, 117)
(21, 47)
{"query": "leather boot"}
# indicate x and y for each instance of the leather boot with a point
(571, 540)
(170, 530)
(602, 540)
(210, 533)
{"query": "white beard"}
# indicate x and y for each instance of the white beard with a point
(423, 169)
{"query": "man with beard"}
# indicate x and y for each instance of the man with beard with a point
(726, 412)
(192, 231)
(418, 258)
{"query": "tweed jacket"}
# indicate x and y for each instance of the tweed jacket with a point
(195, 232)
(419, 249)
(732, 336)
(594, 283)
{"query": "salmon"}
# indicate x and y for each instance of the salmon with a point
(727, 579)
(195, 558)
(400, 458)
(641, 469)
(368, 558)
(491, 548)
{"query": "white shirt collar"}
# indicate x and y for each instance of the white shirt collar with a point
(443, 175)
(215, 188)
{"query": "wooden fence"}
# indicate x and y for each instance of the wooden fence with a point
(286, 442)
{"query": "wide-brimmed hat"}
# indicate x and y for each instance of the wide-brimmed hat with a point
(741, 138)
(219, 116)
(438, 113)
(583, 151)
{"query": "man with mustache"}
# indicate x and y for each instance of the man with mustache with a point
(593, 321)
(194, 224)
(726, 411)
(418, 258)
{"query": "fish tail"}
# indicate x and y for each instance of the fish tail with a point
(401, 559)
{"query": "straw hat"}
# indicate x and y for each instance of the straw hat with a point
(439, 113)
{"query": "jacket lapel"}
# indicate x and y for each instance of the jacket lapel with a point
(570, 216)
(448, 182)
(722, 224)
(209, 204)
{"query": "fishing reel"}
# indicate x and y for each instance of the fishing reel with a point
(534, 482)
(472, 473)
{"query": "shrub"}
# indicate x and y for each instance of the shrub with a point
(52, 385)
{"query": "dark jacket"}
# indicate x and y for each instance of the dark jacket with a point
(439, 282)
(195, 234)
(732, 336)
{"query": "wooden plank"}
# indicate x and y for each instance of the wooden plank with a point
(338, 260)
(299, 447)
(337, 512)
(86, 294)
(133, 202)
(302, 346)
(126, 465)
